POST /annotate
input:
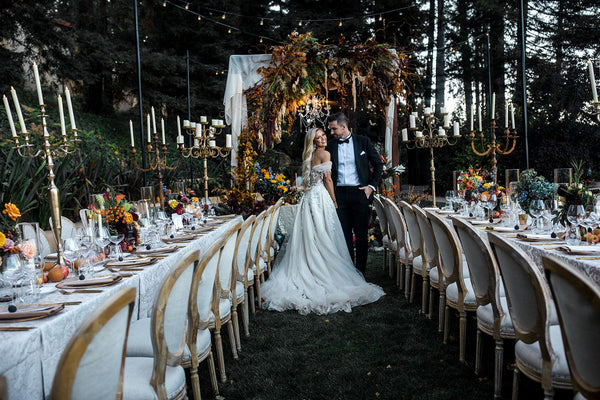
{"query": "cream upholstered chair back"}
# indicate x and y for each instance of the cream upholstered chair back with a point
(273, 224)
(526, 291)
(414, 234)
(397, 225)
(226, 262)
(264, 234)
(449, 252)
(481, 263)
(68, 229)
(32, 231)
(256, 236)
(392, 227)
(170, 313)
(91, 366)
(427, 239)
(381, 216)
(241, 252)
(577, 301)
(207, 274)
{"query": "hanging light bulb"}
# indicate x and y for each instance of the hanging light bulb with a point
(223, 17)
(380, 18)
(187, 6)
(300, 23)
(260, 41)
(229, 31)
(261, 22)
(340, 23)
(217, 73)
(164, 3)
(199, 18)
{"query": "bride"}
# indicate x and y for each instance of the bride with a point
(316, 274)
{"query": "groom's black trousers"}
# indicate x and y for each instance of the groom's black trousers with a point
(353, 212)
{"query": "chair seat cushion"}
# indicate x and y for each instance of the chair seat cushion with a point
(485, 317)
(434, 276)
(417, 265)
(224, 310)
(239, 291)
(452, 293)
(202, 344)
(530, 356)
(136, 379)
(250, 275)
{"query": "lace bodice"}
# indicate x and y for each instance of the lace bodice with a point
(318, 172)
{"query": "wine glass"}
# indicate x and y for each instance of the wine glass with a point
(590, 222)
(115, 239)
(536, 209)
(450, 195)
(102, 239)
(71, 248)
(575, 215)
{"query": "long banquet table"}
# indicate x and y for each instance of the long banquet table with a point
(29, 358)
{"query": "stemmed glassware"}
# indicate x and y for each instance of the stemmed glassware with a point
(115, 248)
(536, 209)
(450, 198)
(575, 216)
(489, 203)
(590, 222)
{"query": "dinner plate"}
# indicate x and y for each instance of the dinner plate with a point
(97, 281)
(29, 312)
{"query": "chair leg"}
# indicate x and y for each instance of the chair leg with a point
(446, 323)
(478, 348)
(430, 302)
(498, 364)
(213, 372)
(236, 328)
(245, 315)
(195, 380)
(258, 294)
(424, 295)
(407, 273)
(515, 388)
(463, 336)
(232, 339)
(385, 256)
(251, 299)
(442, 305)
(412, 287)
(391, 267)
(399, 274)
(220, 358)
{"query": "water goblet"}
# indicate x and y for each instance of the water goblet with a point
(575, 215)
(536, 208)
(115, 239)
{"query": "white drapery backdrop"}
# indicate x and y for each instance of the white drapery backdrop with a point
(241, 76)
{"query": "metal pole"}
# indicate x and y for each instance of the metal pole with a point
(139, 71)
(523, 59)
(189, 107)
(489, 67)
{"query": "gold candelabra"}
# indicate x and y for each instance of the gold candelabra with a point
(597, 109)
(157, 155)
(205, 143)
(44, 145)
(430, 137)
(505, 145)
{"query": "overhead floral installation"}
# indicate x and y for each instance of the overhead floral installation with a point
(303, 67)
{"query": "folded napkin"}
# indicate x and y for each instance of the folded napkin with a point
(446, 212)
(228, 216)
(431, 208)
(105, 280)
(504, 229)
(157, 250)
(32, 311)
(131, 262)
(197, 231)
(580, 249)
(483, 222)
(178, 238)
(532, 237)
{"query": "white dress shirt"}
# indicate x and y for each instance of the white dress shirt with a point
(347, 173)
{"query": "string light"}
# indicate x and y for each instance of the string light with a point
(223, 17)
(300, 23)
(199, 18)
(229, 31)
(261, 22)
(340, 23)
(164, 3)
(260, 41)
(380, 18)
(187, 6)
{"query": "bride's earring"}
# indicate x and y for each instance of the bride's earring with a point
(314, 147)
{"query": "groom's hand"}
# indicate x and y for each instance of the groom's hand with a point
(368, 191)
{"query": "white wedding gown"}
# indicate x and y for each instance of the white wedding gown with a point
(316, 274)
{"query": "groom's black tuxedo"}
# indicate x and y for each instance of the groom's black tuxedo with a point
(353, 205)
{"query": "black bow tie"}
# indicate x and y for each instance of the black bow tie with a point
(347, 140)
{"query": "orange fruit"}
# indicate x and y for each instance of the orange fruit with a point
(56, 274)
(48, 266)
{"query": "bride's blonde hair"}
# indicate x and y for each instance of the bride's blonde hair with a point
(309, 149)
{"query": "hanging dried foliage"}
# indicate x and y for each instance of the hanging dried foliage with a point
(303, 67)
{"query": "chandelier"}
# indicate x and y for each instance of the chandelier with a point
(313, 112)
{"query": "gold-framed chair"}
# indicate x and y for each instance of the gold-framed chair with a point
(256, 263)
(399, 241)
(243, 277)
(539, 351)
(160, 374)
(577, 301)
(268, 248)
(385, 231)
(428, 258)
(455, 288)
(96, 349)
(493, 316)
(414, 236)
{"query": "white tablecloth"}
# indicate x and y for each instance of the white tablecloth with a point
(29, 359)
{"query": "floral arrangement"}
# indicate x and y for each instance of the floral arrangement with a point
(293, 196)
(474, 184)
(116, 212)
(413, 196)
(270, 185)
(388, 188)
(9, 235)
(531, 187)
(577, 193)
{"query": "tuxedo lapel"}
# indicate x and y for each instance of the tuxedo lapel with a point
(357, 149)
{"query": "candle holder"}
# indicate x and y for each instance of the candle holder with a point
(430, 137)
(43, 145)
(314, 110)
(205, 144)
(157, 161)
(506, 145)
(597, 109)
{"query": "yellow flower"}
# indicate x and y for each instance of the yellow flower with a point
(2, 239)
(173, 204)
(12, 211)
(486, 185)
(273, 181)
(128, 218)
(195, 200)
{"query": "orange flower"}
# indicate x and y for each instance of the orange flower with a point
(12, 211)
(128, 218)
(119, 197)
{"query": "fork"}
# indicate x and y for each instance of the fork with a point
(68, 292)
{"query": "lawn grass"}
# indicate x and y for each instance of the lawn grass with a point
(384, 350)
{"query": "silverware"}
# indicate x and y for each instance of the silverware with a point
(68, 292)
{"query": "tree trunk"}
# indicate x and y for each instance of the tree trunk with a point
(440, 60)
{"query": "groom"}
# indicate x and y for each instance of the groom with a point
(352, 156)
